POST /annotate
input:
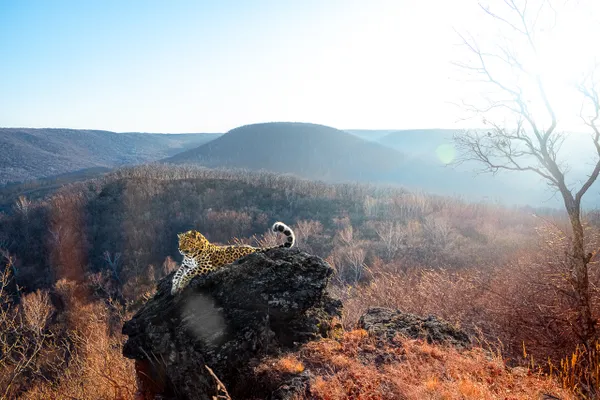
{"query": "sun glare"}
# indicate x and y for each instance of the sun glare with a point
(559, 55)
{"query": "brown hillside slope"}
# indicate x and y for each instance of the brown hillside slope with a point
(33, 153)
(307, 150)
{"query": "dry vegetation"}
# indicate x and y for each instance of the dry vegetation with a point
(360, 367)
(80, 261)
(74, 353)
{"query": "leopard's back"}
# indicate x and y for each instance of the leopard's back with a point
(201, 257)
(224, 255)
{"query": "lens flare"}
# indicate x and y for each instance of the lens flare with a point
(445, 153)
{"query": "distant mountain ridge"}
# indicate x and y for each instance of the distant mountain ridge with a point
(307, 150)
(323, 153)
(27, 153)
(415, 159)
(411, 141)
(436, 147)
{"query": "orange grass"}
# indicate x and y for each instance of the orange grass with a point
(362, 367)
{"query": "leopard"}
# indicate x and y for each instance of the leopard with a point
(200, 257)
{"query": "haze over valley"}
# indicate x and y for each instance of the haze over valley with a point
(418, 160)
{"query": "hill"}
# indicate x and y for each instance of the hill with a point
(34, 153)
(307, 150)
(413, 159)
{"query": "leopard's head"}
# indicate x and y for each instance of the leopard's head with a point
(192, 243)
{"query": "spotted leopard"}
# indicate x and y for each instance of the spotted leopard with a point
(201, 257)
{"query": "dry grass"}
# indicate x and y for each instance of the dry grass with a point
(93, 366)
(526, 301)
(361, 367)
(580, 371)
(288, 365)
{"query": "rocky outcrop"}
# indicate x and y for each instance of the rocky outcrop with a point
(388, 323)
(264, 304)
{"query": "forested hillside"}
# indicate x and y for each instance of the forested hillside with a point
(102, 244)
(306, 150)
(33, 153)
(420, 160)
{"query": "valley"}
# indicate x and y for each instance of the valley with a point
(418, 160)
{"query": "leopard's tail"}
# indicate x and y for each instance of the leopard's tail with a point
(287, 231)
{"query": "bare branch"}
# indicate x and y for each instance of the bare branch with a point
(499, 18)
(590, 94)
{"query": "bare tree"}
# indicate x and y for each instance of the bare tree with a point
(9, 259)
(23, 336)
(23, 206)
(519, 91)
(392, 235)
(305, 229)
(113, 261)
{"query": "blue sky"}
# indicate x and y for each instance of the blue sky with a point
(209, 66)
(188, 66)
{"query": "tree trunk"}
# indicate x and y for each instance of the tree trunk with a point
(579, 270)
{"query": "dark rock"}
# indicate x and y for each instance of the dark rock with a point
(388, 323)
(264, 304)
(296, 387)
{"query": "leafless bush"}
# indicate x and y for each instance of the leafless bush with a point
(529, 300)
(96, 368)
(22, 206)
(533, 299)
(103, 285)
(345, 236)
(37, 309)
(304, 230)
(25, 342)
(168, 266)
(348, 257)
(449, 295)
(409, 206)
(227, 224)
(392, 235)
